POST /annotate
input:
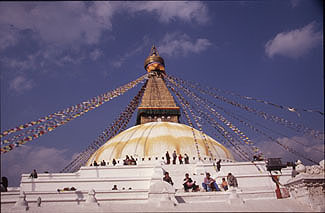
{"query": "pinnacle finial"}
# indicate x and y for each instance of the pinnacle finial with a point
(154, 51)
(154, 62)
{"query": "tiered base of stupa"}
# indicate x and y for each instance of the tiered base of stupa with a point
(141, 189)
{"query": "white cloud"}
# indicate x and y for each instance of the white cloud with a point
(40, 60)
(83, 22)
(312, 148)
(95, 54)
(182, 44)
(58, 30)
(294, 3)
(58, 22)
(26, 158)
(62, 30)
(295, 43)
(8, 37)
(17, 64)
(118, 63)
(20, 84)
(132, 51)
(171, 10)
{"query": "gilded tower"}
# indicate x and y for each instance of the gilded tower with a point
(157, 103)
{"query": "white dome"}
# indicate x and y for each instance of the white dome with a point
(152, 140)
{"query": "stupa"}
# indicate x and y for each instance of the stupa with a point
(140, 187)
(158, 129)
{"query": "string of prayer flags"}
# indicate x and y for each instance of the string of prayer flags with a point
(197, 99)
(221, 130)
(187, 105)
(285, 147)
(265, 116)
(242, 154)
(291, 109)
(99, 100)
(52, 121)
(177, 94)
(118, 125)
(188, 119)
(297, 127)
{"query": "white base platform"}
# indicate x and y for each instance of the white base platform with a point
(256, 190)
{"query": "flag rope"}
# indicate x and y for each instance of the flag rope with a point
(52, 121)
(117, 126)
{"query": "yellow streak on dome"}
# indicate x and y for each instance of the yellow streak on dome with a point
(169, 140)
(117, 149)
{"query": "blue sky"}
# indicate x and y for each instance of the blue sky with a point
(58, 54)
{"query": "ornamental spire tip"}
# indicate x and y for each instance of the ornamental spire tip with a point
(154, 51)
(154, 62)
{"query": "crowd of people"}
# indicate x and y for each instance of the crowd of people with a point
(209, 184)
(123, 188)
(127, 161)
(179, 157)
(103, 163)
(66, 189)
(170, 159)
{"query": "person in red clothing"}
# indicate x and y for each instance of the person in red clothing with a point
(275, 179)
(180, 158)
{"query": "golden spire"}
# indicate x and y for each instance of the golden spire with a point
(157, 103)
(154, 62)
